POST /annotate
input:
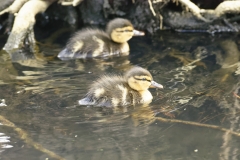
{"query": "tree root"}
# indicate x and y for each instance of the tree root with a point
(151, 7)
(210, 14)
(228, 7)
(25, 137)
(193, 8)
(23, 25)
(74, 3)
(25, 11)
(14, 8)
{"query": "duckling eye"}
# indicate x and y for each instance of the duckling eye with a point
(142, 79)
(127, 30)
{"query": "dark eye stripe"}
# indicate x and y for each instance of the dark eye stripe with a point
(125, 31)
(144, 79)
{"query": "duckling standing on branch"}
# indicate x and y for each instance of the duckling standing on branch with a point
(115, 90)
(89, 42)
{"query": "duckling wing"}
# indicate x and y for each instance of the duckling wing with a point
(108, 91)
(86, 101)
(93, 101)
(86, 43)
(65, 54)
(90, 43)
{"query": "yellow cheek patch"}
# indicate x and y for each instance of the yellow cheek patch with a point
(121, 35)
(99, 92)
(77, 46)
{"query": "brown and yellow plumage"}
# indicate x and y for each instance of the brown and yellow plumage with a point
(116, 90)
(89, 42)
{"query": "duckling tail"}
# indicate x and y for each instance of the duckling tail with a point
(85, 101)
(64, 54)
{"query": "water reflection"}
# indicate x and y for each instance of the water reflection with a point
(201, 76)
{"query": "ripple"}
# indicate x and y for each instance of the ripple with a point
(4, 140)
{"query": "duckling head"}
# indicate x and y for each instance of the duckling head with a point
(140, 79)
(121, 30)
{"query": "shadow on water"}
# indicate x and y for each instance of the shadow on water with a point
(200, 74)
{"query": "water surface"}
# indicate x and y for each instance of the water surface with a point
(200, 74)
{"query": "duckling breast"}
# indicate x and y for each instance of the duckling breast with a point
(146, 97)
(125, 48)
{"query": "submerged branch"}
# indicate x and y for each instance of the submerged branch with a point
(25, 137)
(198, 124)
(146, 116)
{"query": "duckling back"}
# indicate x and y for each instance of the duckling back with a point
(89, 43)
(111, 91)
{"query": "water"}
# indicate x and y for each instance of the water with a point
(40, 117)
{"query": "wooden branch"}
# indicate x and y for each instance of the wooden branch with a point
(228, 7)
(151, 7)
(14, 8)
(74, 3)
(24, 22)
(25, 137)
(223, 8)
(198, 124)
(147, 116)
(194, 9)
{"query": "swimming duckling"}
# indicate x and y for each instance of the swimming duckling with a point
(97, 43)
(114, 90)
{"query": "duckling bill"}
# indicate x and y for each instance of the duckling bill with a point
(115, 90)
(89, 42)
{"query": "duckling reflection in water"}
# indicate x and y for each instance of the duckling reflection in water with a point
(115, 90)
(97, 43)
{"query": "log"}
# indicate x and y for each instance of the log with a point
(23, 25)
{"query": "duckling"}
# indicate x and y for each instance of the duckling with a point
(89, 43)
(115, 90)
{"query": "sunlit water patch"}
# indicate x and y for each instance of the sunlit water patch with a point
(4, 142)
